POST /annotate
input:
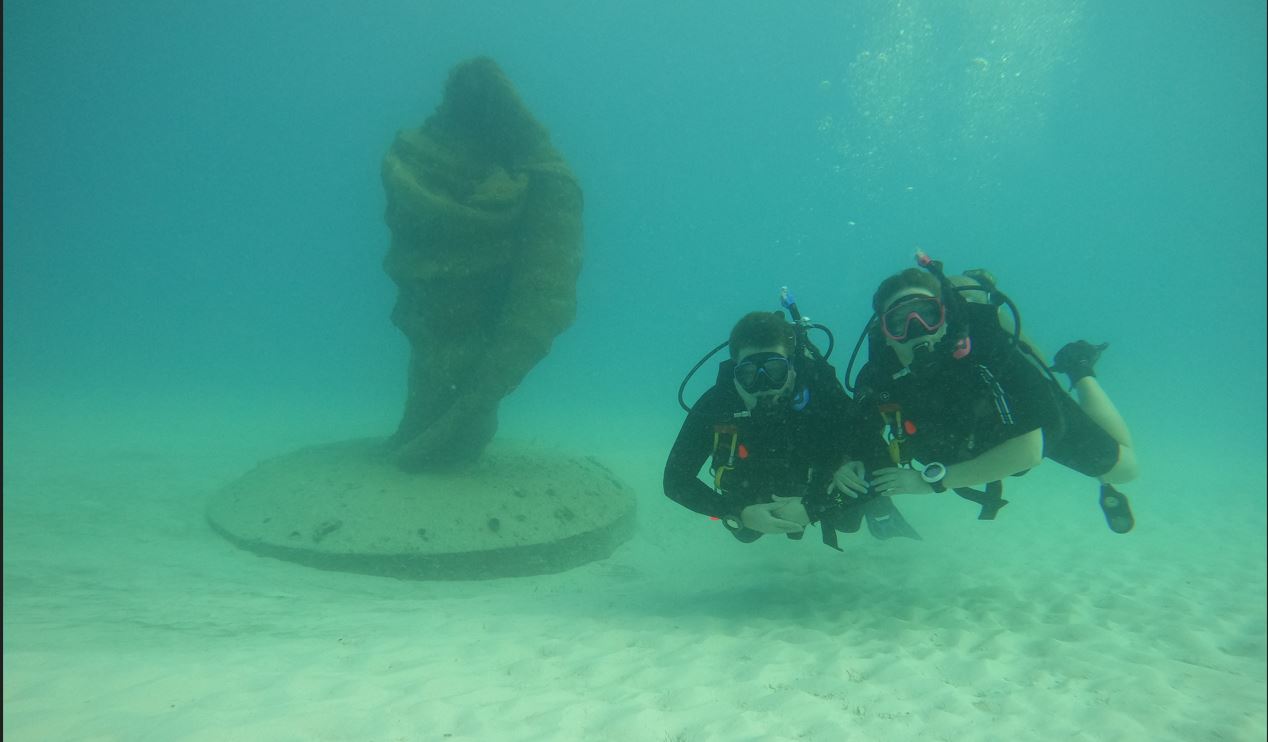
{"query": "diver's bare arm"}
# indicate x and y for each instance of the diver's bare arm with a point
(1008, 458)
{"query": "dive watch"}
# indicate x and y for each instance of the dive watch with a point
(934, 474)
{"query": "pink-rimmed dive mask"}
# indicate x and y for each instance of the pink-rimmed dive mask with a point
(912, 317)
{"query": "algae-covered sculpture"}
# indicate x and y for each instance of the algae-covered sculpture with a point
(485, 218)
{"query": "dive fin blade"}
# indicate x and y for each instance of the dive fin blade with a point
(1118, 512)
(884, 521)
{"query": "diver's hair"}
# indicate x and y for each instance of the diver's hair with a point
(760, 330)
(912, 278)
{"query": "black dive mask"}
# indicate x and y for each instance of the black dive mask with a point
(762, 372)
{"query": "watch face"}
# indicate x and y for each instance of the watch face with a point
(933, 472)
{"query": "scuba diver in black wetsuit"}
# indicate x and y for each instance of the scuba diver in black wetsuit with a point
(964, 398)
(775, 427)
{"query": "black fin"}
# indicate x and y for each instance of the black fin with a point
(1118, 512)
(885, 522)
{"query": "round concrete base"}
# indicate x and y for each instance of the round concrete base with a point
(345, 506)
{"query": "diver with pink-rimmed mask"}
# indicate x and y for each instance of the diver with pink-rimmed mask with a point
(964, 399)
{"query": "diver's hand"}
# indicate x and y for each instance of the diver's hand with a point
(792, 509)
(895, 481)
(761, 518)
(850, 479)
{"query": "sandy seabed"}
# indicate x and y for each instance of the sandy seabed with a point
(126, 618)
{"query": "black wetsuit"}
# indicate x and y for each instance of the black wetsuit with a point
(954, 410)
(792, 452)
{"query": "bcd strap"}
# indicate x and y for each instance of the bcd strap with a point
(723, 465)
(991, 500)
(830, 535)
(892, 414)
(839, 515)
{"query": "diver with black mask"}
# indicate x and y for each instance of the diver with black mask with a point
(774, 428)
(964, 398)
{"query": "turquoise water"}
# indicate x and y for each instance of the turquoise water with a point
(193, 228)
(192, 194)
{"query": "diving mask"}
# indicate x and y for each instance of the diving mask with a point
(761, 372)
(913, 317)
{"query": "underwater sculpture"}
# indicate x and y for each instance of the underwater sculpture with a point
(485, 217)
